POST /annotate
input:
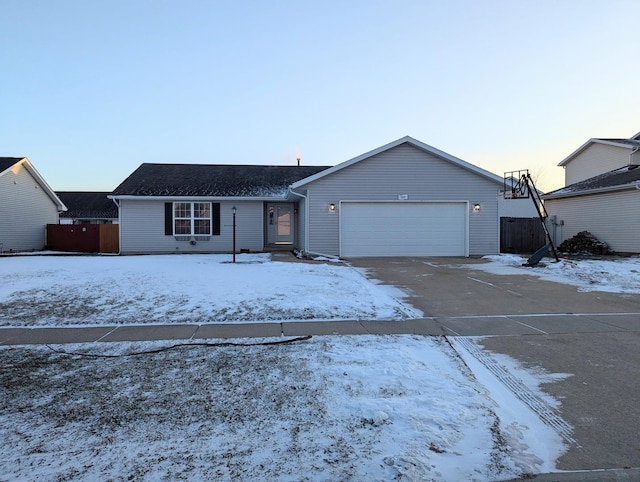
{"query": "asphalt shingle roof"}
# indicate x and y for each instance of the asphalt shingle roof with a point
(7, 162)
(223, 180)
(627, 176)
(87, 205)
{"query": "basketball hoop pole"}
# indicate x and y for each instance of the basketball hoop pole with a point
(520, 185)
(542, 212)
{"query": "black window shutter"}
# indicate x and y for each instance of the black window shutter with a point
(215, 222)
(168, 219)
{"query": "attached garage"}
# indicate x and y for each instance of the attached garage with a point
(403, 199)
(403, 228)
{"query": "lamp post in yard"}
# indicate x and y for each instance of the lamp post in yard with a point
(233, 210)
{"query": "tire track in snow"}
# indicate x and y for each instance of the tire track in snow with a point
(539, 406)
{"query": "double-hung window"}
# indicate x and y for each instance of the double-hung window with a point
(191, 219)
(187, 219)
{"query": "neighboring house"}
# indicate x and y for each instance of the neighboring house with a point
(27, 205)
(597, 156)
(606, 205)
(403, 199)
(88, 208)
(604, 195)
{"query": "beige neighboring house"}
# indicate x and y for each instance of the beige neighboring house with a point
(601, 194)
(27, 205)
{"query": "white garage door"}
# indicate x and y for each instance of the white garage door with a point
(403, 229)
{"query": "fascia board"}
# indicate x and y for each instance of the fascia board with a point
(410, 140)
(129, 197)
(45, 186)
(600, 190)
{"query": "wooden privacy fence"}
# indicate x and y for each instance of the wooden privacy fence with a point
(83, 238)
(521, 235)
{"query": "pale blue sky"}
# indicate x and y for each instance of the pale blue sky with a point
(91, 89)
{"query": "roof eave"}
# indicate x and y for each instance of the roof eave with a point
(131, 197)
(45, 186)
(586, 192)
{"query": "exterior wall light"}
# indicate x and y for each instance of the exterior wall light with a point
(476, 208)
(332, 208)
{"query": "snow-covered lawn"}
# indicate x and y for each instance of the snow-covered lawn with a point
(325, 409)
(618, 275)
(98, 290)
(328, 408)
(93, 290)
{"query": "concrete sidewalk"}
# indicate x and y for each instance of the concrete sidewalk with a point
(488, 325)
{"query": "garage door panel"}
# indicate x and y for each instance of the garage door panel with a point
(403, 229)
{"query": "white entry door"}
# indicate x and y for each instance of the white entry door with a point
(403, 229)
(280, 223)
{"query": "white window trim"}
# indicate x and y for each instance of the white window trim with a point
(192, 219)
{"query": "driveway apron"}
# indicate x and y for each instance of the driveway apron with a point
(592, 336)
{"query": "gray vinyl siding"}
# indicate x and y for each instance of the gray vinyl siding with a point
(142, 229)
(613, 218)
(25, 211)
(402, 170)
(594, 160)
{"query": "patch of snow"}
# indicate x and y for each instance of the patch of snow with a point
(328, 259)
(330, 408)
(614, 276)
(97, 290)
(530, 425)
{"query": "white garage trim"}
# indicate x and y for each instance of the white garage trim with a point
(404, 228)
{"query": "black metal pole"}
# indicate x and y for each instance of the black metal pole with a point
(542, 212)
(234, 234)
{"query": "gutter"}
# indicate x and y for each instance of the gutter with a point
(306, 217)
(196, 198)
(600, 190)
(115, 201)
(306, 226)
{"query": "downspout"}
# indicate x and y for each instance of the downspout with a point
(306, 226)
(119, 225)
(306, 218)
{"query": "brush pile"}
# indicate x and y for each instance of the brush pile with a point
(584, 243)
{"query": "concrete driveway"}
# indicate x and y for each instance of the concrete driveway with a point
(594, 336)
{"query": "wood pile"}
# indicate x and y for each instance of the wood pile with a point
(584, 243)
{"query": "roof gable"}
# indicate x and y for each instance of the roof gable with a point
(7, 163)
(88, 205)
(213, 180)
(627, 177)
(413, 142)
(632, 143)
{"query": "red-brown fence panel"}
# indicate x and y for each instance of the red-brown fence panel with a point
(83, 238)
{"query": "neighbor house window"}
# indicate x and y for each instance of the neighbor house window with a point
(192, 219)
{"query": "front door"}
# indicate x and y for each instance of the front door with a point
(279, 223)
